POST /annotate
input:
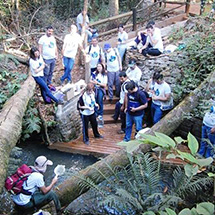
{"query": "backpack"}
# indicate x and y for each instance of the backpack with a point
(80, 102)
(14, 182)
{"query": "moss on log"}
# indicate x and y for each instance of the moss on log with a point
(11, 123)
(70, 190)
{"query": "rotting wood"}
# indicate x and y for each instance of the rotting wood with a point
(70, 190)
(11, 123)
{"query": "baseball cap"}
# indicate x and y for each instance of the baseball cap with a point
(41, 163)
(131, 62)
(107, 46)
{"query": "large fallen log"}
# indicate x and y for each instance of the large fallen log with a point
(70, 190)
(11, 123)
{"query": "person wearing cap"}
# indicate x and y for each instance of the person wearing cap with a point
(40, 194)
(208, 133)
(121, 41)
(114, 66)
(154, 43)
(133, 72)
(161, 98)
(48, 50)
(70, 47)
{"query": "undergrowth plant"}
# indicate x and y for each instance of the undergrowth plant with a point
(141, 187)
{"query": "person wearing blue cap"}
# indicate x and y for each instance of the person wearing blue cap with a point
(114, 66)
(208, 132)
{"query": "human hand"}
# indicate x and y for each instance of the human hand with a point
(122, 108)
(125, 110)
(55, 179)
(133, 109)
(96, 105)
(213, 130)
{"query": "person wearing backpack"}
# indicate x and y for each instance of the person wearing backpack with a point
(96, 55)
(38, 193)
(114, 66)
(135, 104)
(88, 113)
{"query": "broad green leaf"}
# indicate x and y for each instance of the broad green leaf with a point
(149, 213)
(192, 143)
(188, 157)
(194, 211)
(205, 162)
(170, 211)
(132, 145)
(190, 170)
(162, 213)
(205, 208)
(185, 211)
(179, 140)
(166, 139)
(171, 156)
(154, 140)
(158, 149)
(210, 174)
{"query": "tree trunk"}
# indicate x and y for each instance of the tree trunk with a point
(113, 7)
(11, 123)
(69, 190)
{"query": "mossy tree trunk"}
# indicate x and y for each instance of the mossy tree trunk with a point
(11, 123)
(70, 190)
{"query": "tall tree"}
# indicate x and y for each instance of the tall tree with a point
(113, 7)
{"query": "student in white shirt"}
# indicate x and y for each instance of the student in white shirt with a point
(122, 40)
(70, 47)
(100, 81)
(154, 40)
(49, 52)
(88, 113)
(37, 66)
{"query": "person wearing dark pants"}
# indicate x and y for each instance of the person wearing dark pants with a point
(36, 66)
(154, 40)
(87, 111)
(40, 194)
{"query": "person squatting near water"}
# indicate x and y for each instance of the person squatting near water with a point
(38, 193)
(87, 107)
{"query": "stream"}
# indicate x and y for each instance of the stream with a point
(30, 151)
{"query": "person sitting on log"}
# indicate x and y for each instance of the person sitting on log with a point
(208, 132)
(154, 43)
(37, 66)
(161, 98)
(35, 194)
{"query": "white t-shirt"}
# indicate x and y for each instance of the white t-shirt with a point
(123, 92)
(95, 52)
(134, 74)
(209, 119)
(101, 78)
(112, 60)
(161, 90)
(34, 181)
(35, 64)
(70, 45)
(80, 19)
(156, 36)
(89, 101)
(48, 47)
(122, 37)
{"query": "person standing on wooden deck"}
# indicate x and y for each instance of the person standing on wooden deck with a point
(135, 104)
(48, 50)
(121, 42)
(88, 113)
(208, 133)
(114, 66)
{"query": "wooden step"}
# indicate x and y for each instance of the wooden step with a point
(109, 108)
(109, 120)
(114, 100)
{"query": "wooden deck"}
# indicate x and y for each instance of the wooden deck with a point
(97, 147)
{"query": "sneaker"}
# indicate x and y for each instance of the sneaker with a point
(120, 132)
(87, 142)
(100, 136)
(100, 126)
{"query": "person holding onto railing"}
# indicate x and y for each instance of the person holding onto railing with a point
(80, 23)
(154, 43)
(121, 42)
